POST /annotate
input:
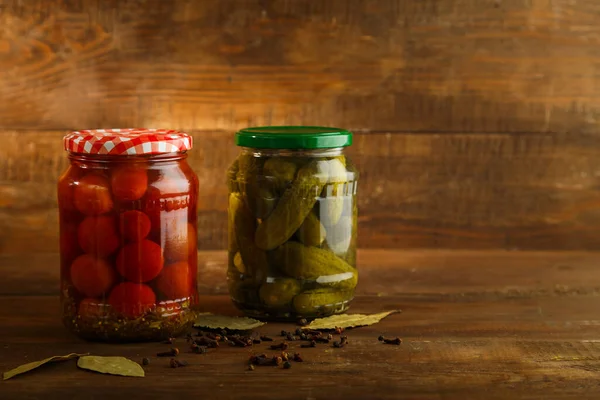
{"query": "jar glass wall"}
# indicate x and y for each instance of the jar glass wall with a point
(292, 232)
(128, 245)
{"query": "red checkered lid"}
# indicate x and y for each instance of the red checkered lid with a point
(127, 141)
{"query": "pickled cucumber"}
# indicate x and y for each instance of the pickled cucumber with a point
(281, 170)
(310, 300)
(311, 232)
(244, 225)
(280, 292)
(332, 204)
(232, 240)
(258, 193)
(232, 176)
(293, 206)
(239, 263)
(303, 262)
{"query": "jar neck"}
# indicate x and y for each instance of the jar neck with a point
(142, 158)
(333, 152)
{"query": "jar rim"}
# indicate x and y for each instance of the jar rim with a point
(127, 142)
(293, 137)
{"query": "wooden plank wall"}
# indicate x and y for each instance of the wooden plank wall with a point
(476, 120)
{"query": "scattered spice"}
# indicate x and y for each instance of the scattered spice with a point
(256, 341)
(284, 333)
(251, 367)
(175, 363)
(277, 360)
(321, 340)
(397, 341)
(287, 365)
(111, 365)
(280, 346)
(211, 321)
(302, 322)
(145, 361)
(339, 330)
(311, 344)
(266, 338)
(297, 357)
(36, 364)
(285, 356)
(173, 352)
(262, 360)
(214, 336)
(348, 320)
(198, 349)
(290, 337)
(204, 341)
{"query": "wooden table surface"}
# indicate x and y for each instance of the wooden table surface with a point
(474, 324)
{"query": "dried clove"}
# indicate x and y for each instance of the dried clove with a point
(277, 360)
(173, 352)
(297, 357)
(145, 361)
(321, 340)
(285, 356)
(397, 341)
(281, 346)
(344, 339)
(214, 336)
(174, 363)
(311, 344)
(198, 349)
(311, 332)
(337, 344)
(287, 365)
(256, 341)
(262, 360)
(239, 342)
(339, 330)
(291, 337)
(204, 341)
(266, 338)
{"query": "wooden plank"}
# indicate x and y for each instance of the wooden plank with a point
(460, 191)
(477, 66)
(451, 350)
(415, 274)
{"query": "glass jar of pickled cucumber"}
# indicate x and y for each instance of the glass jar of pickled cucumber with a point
(292, 223)
(127, 211)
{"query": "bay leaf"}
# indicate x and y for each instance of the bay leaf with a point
(348, 320)
(211, 321)
(111, 365)
(36, 364)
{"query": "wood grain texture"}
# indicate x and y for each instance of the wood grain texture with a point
(449, 65)
(420, 274)
(460, 191)
(525, 348)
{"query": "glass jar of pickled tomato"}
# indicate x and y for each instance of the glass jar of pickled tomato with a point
(127, 207)
(292, 223)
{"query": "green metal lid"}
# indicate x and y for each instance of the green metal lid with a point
(293, 137)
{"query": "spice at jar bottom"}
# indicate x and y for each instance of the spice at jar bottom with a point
(292, 223)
